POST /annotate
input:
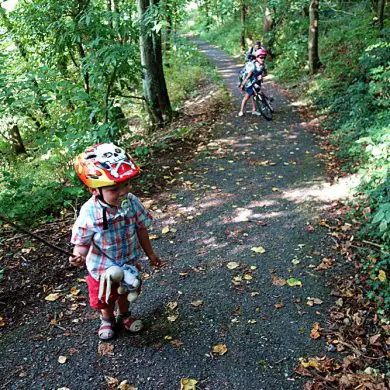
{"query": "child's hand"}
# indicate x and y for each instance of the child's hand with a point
(77, 261)
(155, 261)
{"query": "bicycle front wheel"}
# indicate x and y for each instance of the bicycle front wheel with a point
(264, 108)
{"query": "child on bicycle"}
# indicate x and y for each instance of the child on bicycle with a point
(107, 234)
(255, 71)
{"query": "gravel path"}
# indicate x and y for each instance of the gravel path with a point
(256, 184)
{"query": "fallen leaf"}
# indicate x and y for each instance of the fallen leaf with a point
(374, 339)
(258, 249)
(62, 359)
(275, 189)
(112, 382)
(165, 230)
(292, 282)
(220, 349)
(184, 274)
(326, 263)
(339, 302)
(197, 303)
(310, 362)
(248, 277)
(254, 293)
(173, 318)
(279, 305)
(188, 384)
(252, 321)
(106, 349)
(75, 291)
(382, 275)
(295, 261)
(278, 281)
(72, 351)
(125, 386)
(52, 297)
(315, 331)
(253, 267)
(232, 265)
(2, 322)
(313, 301)
(172, 305)
(176, 343)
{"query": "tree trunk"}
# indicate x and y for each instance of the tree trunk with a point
(314, 59)
(110, 7)
(163, 97)
(268, 21)
(243, 21)
(154, 85)
(381, 13)
(150, 85)
(16, 140)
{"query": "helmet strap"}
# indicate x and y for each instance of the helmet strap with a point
(105, 206)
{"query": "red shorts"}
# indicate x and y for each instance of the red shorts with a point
(93, 290)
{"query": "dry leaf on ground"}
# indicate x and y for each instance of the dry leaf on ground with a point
(232, 265)
(52, 297)
(188, 384)
(258, 249)
(326, 263)
(197, 303)
(125, 386)
(315, 331)
(219, 349)
(278, 281)
(173, 318)
(106, 349)
(111, 382)
(172, 305)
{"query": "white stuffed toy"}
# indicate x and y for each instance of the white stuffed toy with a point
(128, 278)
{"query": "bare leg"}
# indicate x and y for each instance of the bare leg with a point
(108, 313)
(123, 304)
(244, 101)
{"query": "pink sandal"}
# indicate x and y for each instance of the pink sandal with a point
(131, 324)
(106, 330)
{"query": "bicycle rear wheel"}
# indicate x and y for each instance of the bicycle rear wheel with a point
(268, 102)
(264, 108)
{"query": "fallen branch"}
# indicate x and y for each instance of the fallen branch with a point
(23, 230)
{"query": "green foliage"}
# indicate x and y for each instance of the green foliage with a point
(226, 37)
(186, 69)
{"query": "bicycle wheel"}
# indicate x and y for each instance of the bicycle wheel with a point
(263, 108)
(268, 102)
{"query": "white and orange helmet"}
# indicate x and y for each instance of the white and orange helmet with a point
(104, 165)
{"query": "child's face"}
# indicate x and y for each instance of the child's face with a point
(114, 194)
(260, 59)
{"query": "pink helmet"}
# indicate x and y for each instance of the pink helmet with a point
(261, 52)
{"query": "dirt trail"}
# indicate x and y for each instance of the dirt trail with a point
(256, 184)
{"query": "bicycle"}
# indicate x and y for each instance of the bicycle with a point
(262, 101)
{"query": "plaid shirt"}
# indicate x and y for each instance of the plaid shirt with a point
(118, 244)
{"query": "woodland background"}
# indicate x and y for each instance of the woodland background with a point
(78, 72)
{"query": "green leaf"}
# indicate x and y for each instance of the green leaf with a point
(293, 282)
